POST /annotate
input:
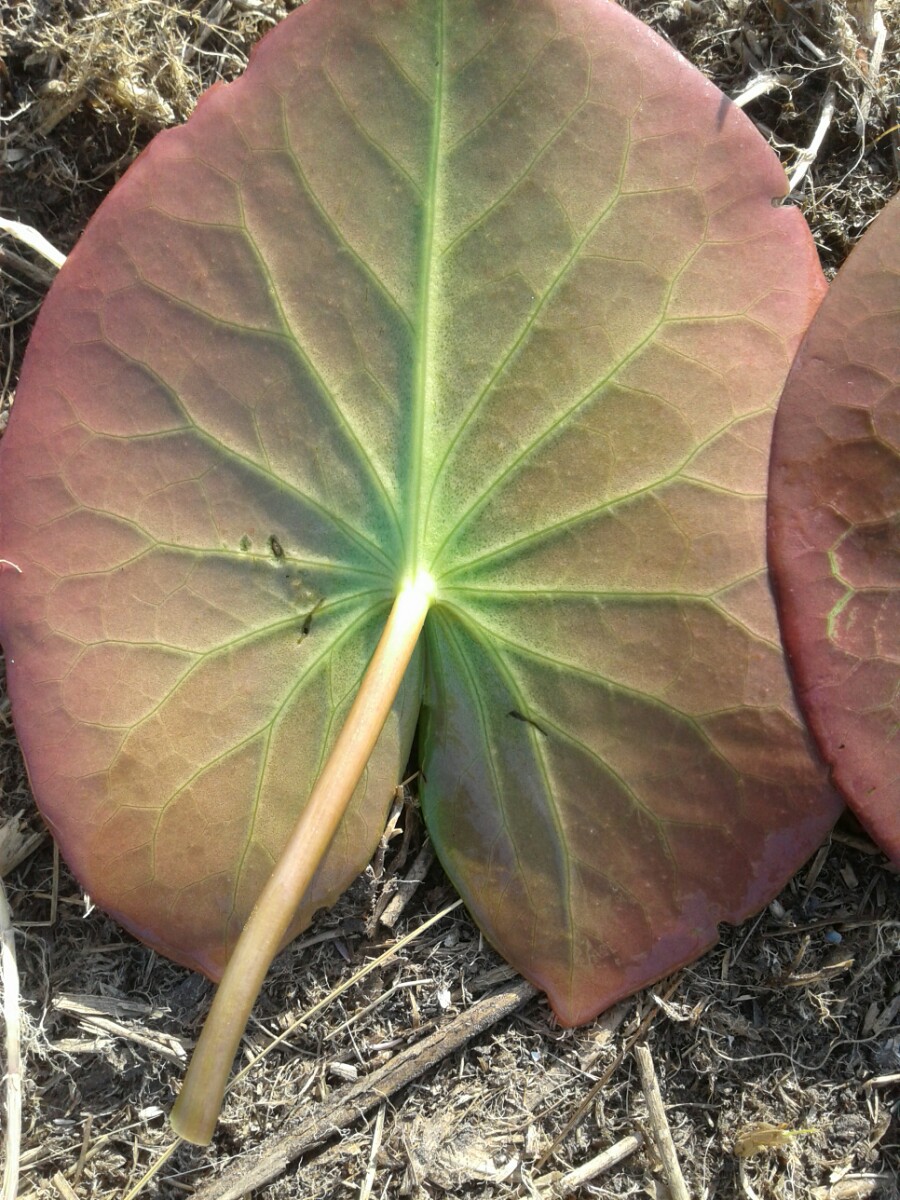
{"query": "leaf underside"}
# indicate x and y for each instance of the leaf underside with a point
(495, 289)
(835, 526)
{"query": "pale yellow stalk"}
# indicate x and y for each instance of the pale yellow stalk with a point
(200, 1101)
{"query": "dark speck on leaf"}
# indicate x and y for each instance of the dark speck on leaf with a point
(307, 621)
(275, 546)
(517, 716)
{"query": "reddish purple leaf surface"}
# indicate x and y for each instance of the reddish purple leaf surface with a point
(492, 289)
(834, 539)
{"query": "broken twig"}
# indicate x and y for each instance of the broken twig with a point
(659, 1124)
(807, 157)
(268, 1161)
(9, 977)
(556, 1187)
(30, 237)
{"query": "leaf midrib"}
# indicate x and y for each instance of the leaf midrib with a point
(422, 379)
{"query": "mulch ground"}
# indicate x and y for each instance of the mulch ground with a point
(438, 1072)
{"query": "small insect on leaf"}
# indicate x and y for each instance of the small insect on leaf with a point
(753, 1139)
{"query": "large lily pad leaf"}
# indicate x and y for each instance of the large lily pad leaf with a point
(492, 288)
(835, 526)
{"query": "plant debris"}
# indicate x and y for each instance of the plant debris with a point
(777, 1055)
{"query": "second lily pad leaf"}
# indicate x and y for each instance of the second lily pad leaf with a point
(491, 288)
(835, 526)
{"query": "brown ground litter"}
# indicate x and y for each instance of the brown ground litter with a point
(777, 1055)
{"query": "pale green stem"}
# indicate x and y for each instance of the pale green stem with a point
(200, 1101)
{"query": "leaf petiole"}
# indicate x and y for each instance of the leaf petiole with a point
(198, 1105)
